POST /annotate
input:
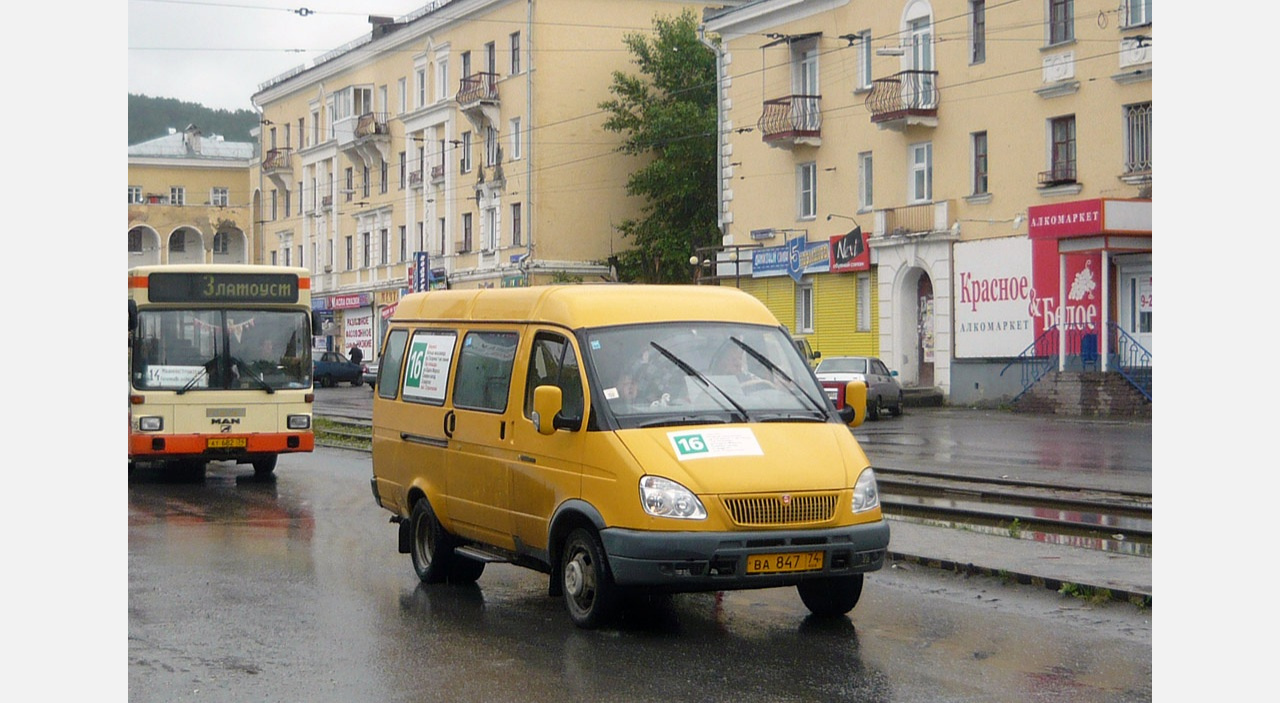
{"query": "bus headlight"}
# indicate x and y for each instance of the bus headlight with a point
(299, 422)
(151, 423)
(665, 498)
(866, 495)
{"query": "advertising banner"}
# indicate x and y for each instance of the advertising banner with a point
(850, 252)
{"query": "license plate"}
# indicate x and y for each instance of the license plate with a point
(784, 563)
(228, 443)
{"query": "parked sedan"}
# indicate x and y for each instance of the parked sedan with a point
(883, 390)
(333, 367)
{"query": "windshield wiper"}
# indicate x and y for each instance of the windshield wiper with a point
(701, 378)
(204, 371)
(684, 420)
(248, 373)
(791, 385)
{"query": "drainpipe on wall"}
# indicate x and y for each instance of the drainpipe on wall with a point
(715, 48)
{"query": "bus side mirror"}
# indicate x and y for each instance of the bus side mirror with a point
(317, 327)
(854, 411)
(547, 402)
(133, 315)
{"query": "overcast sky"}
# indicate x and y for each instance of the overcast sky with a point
(217, 52)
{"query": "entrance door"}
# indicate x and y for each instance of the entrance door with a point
(924, 329)
(1135, 304)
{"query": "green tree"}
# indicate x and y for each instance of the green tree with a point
(668, 113)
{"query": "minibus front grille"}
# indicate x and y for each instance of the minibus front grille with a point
(781, 509)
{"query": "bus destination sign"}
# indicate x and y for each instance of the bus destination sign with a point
(223, 288)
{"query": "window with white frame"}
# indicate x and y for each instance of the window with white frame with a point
(491, 228)
(177, 195)
(807, 191)
(384, 245)
(466, 231)
(980, 175)
(420, 77)
(404, 243)
(135, 195)
(920, 163)
(517, 236)
(315, 125)
(491, 147)
(515, 53)
(442, 79)
(865, 171)
(1062, 149)
(862, 40)
(221, 242)
(864, 302)
(402, 91)
(1137, 138)
(366, 249)
(275, 203)
(977, 31)
(515, 139)
(1062, 21)
(466, 152)
(1137, 12)
(804, 308)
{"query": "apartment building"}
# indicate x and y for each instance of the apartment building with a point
(461, 145)
(189, 200)
(942, 183)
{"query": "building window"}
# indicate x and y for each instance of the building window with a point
(275, 258)
(384, 242)
(516, 236)
(491, 149)
(135, 240)
(921, 167)
(515, 53)
(466, 152)
(1137, 138)
(863, 41)
(1137, 12)
(1062, 150)
(366, 246)
(315, 127)
(404, 243)
(864, 182)
(491, 229)
(404, 168)
(864, 302)
(287, 258)
(1061, 21)
(804, 308)
(443, 232)
(275, 199)
(300, 262)
(178, 242)
(466, 231)
(979, 163)
(221, 243)
(977, 31)
(442, 79)
(382, 178)
(422, 234)
(402, 88)
(288, 204)
(177, 195)
(515, 138)
(420, 78)
(350, 258)
(300, 203)
(135, 195)
(807, 191)
(351, 184)
(364, 189)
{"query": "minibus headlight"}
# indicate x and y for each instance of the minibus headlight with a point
(865, 493)
(151, 423)
(665, 498)
(299, 422)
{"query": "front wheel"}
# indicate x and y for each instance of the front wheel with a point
(589, 591)
(873, 408)
(829, 597)
(432, 547)
(326, 381)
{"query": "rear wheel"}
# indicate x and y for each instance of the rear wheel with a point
(432, 547)
(589, 591)
(873, 408)
(326, 381)
(896, 410)
(265, 466)
(829, 597)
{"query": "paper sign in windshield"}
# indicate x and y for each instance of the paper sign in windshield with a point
(714, 443)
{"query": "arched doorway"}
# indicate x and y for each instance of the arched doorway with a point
(186, 246)
(925, 338)
(915, 329)
(144, 246)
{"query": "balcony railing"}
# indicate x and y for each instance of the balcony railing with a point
(918, 219)
(276, 159)
(791, 118)
(1060, 174)
(907, 97)
(415, 178)
(478, 87)
(437, 173)
(371, 124)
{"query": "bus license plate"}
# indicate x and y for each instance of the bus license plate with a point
(783, 563)
(228, 443)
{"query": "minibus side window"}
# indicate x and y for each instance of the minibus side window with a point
(552, 362)
(484, 371)
(389, 369)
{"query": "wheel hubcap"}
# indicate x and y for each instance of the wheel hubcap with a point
(574, 581)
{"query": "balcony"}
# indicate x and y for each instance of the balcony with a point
(914, 220)
(366, 136)
(906, 99)
(437, 174)
(478, 99)
(277, 166)
(415, 179)
(1061, 174)
(795, 119)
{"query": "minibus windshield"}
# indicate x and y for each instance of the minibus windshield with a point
(698, 372)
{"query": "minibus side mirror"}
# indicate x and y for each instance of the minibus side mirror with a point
(854, 411)
(547, 402)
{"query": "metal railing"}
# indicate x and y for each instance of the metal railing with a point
(1082, 350)
(791, 117)
(371, 123)
(904, 93)
(275, 159)
(477, 87)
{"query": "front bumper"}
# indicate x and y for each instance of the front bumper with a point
(715, 561)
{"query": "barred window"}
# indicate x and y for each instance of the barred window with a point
(1137, 121)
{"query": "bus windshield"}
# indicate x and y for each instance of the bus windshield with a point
(224, 349)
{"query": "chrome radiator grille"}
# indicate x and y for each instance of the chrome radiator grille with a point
(781, 509)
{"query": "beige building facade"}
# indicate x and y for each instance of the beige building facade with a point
(189, 200)
(941, 183)
(461, 145)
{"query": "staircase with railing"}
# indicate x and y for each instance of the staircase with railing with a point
(1126, 357)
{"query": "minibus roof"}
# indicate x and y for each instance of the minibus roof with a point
(587, 305)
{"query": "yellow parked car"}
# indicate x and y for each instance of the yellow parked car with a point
(620, 438)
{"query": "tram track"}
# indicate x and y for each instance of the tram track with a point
(1084, 516)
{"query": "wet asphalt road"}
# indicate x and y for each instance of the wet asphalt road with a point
(292, 590)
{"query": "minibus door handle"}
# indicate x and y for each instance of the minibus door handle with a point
(450, 419)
